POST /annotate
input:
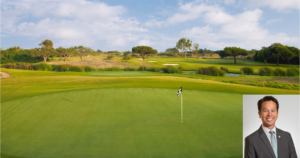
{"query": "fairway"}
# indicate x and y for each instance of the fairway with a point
(123, 122)
(123, 73)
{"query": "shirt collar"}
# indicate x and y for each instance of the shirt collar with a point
(267, 130)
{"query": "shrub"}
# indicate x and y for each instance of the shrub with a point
(14, 56)
(89, 69)
(127, 52)
(101, 69)
(292, 72)
(211, 71)
(155, 69)
(76, 68)
(247, 70)
(224, 69)
(127, 57)
(142, 68)
(25, 66)
(265, 71)
(129, 69)
(278, 72)
(171, 69)
(61, 68)
(43, 67)
(110, 56)
(9, 66)
(113, 68)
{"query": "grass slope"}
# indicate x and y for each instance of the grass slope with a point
(31, 86)
(70, 114)
(123, 122)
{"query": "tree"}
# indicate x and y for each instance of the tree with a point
(234, 51)
(280, 51)
(46, 50)
(65, 52)
(195, 51)
(46, 43)
(252, 51)
(174, 51)
(201, 52)
(144, 51)
(14, 48)
(265, 54)
(221, 53)
(184, 45)
(295, 51)
(82, 51)
(43, 52)
(205, 51)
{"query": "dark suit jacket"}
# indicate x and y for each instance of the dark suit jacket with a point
(257, 145)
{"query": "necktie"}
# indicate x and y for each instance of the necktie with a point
(274, 143)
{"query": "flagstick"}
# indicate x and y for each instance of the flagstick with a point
(181, 110)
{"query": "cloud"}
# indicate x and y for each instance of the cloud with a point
(272, 21)
(153, 23)
(81, 9)
(99, 25)
(71, 22)
(241, 30)
(245, 26)
(280, 5)
(191, 11)
(228, 2)
(218, 17)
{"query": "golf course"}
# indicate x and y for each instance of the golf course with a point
(49, 114)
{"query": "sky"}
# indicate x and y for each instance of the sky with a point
(110, 25)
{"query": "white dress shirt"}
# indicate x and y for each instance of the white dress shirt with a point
(267, 130)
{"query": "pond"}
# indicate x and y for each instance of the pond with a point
(232, 75)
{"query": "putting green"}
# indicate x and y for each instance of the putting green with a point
(123, 122)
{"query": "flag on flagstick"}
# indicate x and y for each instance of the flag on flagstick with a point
(180, 91)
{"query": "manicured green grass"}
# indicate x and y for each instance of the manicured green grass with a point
(122, 114)
(124, 73)
(16, 73)
(194, 63)
(123, 122)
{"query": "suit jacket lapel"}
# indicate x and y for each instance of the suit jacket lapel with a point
(278, 134)
(264, 138)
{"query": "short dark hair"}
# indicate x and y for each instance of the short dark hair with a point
(267, 98)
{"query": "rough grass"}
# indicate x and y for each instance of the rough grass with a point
(106, 123)
(186, 63)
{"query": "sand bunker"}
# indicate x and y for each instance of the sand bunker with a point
(4, 75)
(170, 64)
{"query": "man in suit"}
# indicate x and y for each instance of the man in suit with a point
(269, 141)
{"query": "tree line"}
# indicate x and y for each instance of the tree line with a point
(278, 53)
(17, 54)
(275, 53)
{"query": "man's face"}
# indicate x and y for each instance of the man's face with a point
(268, 114)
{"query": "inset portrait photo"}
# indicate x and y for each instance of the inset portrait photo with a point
(271, 126)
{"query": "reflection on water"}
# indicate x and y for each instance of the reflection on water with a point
(232, 75)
